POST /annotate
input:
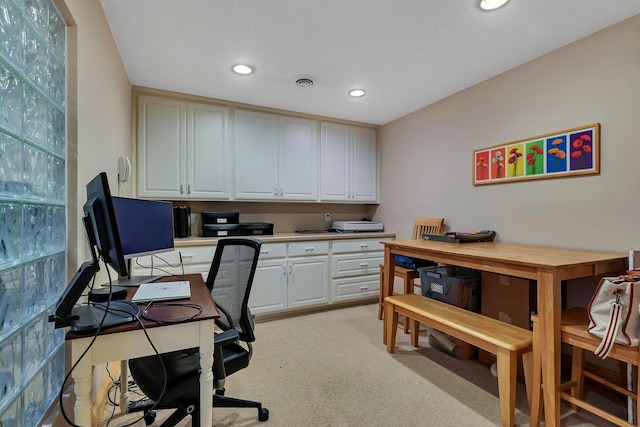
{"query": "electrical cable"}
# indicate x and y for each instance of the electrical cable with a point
(168, 273)
(116, 386)
(66, 378)
(152, 304)
(95, 336)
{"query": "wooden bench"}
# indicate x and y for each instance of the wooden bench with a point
(506, 341)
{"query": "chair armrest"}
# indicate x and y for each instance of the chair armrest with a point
(226, 337)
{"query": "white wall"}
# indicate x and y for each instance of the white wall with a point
(99, 120)
(102, 109)
(426, 156)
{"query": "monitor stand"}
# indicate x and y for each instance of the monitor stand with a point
(90, 316)
(130, 280)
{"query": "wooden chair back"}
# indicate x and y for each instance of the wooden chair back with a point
(427, 225)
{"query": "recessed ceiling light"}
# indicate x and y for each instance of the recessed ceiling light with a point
(242, 69)
(492, 4)
(356, 93)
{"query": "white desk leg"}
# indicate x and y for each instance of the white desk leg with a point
(82, 383)
(124, 387)
(206, 374)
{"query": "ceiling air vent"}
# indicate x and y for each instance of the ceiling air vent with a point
(304, 81)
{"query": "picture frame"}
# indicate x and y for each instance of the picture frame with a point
(567, 153)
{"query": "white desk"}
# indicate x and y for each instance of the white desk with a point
(129, 341)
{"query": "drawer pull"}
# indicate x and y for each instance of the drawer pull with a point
(186, 256)
(364, 288)
(264, 251)
(364, 245)
(310, 249)
(364, 264)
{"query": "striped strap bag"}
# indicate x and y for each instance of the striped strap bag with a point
(613, 313)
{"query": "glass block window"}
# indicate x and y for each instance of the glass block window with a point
(32, 207)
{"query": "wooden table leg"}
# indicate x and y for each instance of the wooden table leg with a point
(207, 329)
(82, 384)
(389, 271)
(549, 312)
(124, 386)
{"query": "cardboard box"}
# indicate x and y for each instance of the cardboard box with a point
(509, 299)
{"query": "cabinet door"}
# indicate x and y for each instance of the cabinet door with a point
(269, 289)
(308, 281)
(298, 159)
(334, 162)
(208, 152)
(256, 145)
(364, 165)
(161, 147)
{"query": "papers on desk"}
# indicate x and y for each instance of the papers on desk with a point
(162, 291)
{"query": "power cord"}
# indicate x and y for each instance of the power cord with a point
(95, 336)
(181, 265)
(152, 304)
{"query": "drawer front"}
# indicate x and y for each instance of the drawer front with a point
(357, 265)
(308, 248)
(344, 246)
(273, 250)
(356, 288)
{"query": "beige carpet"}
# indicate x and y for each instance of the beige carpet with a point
(331, 369)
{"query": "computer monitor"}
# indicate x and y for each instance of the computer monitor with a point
(100, 210)
(104, 242)
(145, 226)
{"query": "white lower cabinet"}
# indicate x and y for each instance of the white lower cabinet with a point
(355, 267)
(308, 274)
(290, 275)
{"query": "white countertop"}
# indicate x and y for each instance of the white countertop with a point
(284, 237)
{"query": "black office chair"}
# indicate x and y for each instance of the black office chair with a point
(229, 280)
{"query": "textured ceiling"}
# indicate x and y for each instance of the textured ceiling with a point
(405, 53)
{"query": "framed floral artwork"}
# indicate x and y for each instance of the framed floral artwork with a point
(560, 154)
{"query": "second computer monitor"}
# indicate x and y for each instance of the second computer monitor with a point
(145, 226)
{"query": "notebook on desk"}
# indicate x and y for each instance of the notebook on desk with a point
(162, 291)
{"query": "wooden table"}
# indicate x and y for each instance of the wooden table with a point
(129, 341)
(548, 265)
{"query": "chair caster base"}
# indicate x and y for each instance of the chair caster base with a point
(263, 414)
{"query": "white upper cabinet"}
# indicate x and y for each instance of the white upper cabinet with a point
(209, 159)
(183, 149)
(276, 157)
(349, 163)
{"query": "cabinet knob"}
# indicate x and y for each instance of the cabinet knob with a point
(275, 192)
(281, 192)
